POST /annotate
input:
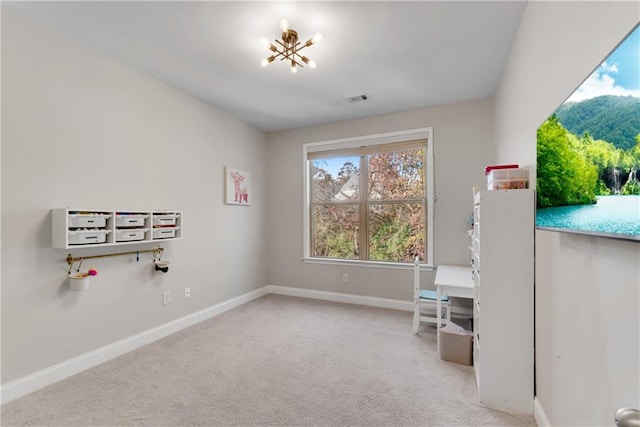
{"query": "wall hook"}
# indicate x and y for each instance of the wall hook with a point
(71, 260)
(157, 254)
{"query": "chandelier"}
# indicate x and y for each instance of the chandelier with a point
(289, 48)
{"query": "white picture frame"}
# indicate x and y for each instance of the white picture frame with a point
(237, 186)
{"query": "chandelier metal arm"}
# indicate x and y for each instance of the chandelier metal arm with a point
(290, 52)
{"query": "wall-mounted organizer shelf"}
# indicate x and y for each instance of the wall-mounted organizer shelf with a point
(81, 228)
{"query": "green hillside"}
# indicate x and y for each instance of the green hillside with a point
(615, 119)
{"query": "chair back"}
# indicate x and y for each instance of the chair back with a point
(416, 279)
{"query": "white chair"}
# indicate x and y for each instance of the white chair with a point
(426, 298)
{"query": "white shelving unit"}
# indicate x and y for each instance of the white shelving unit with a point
(82, 228)
(502, 259)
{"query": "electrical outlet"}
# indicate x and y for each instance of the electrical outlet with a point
(187, 292)
(345, 278)
(166, 297)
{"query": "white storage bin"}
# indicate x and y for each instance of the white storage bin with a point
(84, 237)
(88, 220)
(164, 233)
(130, 220)
(164, 219)
(129, 235)
(514, 173)
(508, 179)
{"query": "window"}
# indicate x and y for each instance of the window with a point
(369, 199)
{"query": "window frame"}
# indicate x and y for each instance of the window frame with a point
(371, 140)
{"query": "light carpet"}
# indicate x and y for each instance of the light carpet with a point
(276, 361)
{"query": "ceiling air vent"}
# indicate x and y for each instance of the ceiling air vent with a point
(358, 98)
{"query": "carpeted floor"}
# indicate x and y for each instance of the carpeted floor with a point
(276, 361)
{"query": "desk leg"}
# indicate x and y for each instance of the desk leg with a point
(438, 316)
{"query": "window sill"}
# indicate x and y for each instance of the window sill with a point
(369, 264)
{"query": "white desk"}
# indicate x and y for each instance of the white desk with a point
(453, 281)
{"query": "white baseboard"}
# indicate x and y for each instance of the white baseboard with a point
(539, 414)
(356, 299)
(32, 382)
(339, 297)
(37, 380)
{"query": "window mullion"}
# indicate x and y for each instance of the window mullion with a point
(312, 231)
(364, 217)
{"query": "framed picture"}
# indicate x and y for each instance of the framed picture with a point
(588, 153)
(237, 186)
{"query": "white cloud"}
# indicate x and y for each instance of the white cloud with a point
(613, 68)
(601, 82)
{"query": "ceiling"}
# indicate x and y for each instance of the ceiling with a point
(402, 55)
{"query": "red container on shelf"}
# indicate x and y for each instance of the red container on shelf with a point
(488, 169)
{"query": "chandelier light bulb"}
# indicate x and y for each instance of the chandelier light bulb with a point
(267, 61)
(284, 25)
(294, 68)
(264, 42)
(313, 40)
(310, 62)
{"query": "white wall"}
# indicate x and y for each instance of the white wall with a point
(587, 327)
(462, 147)
(587, 288)
(81, 130)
